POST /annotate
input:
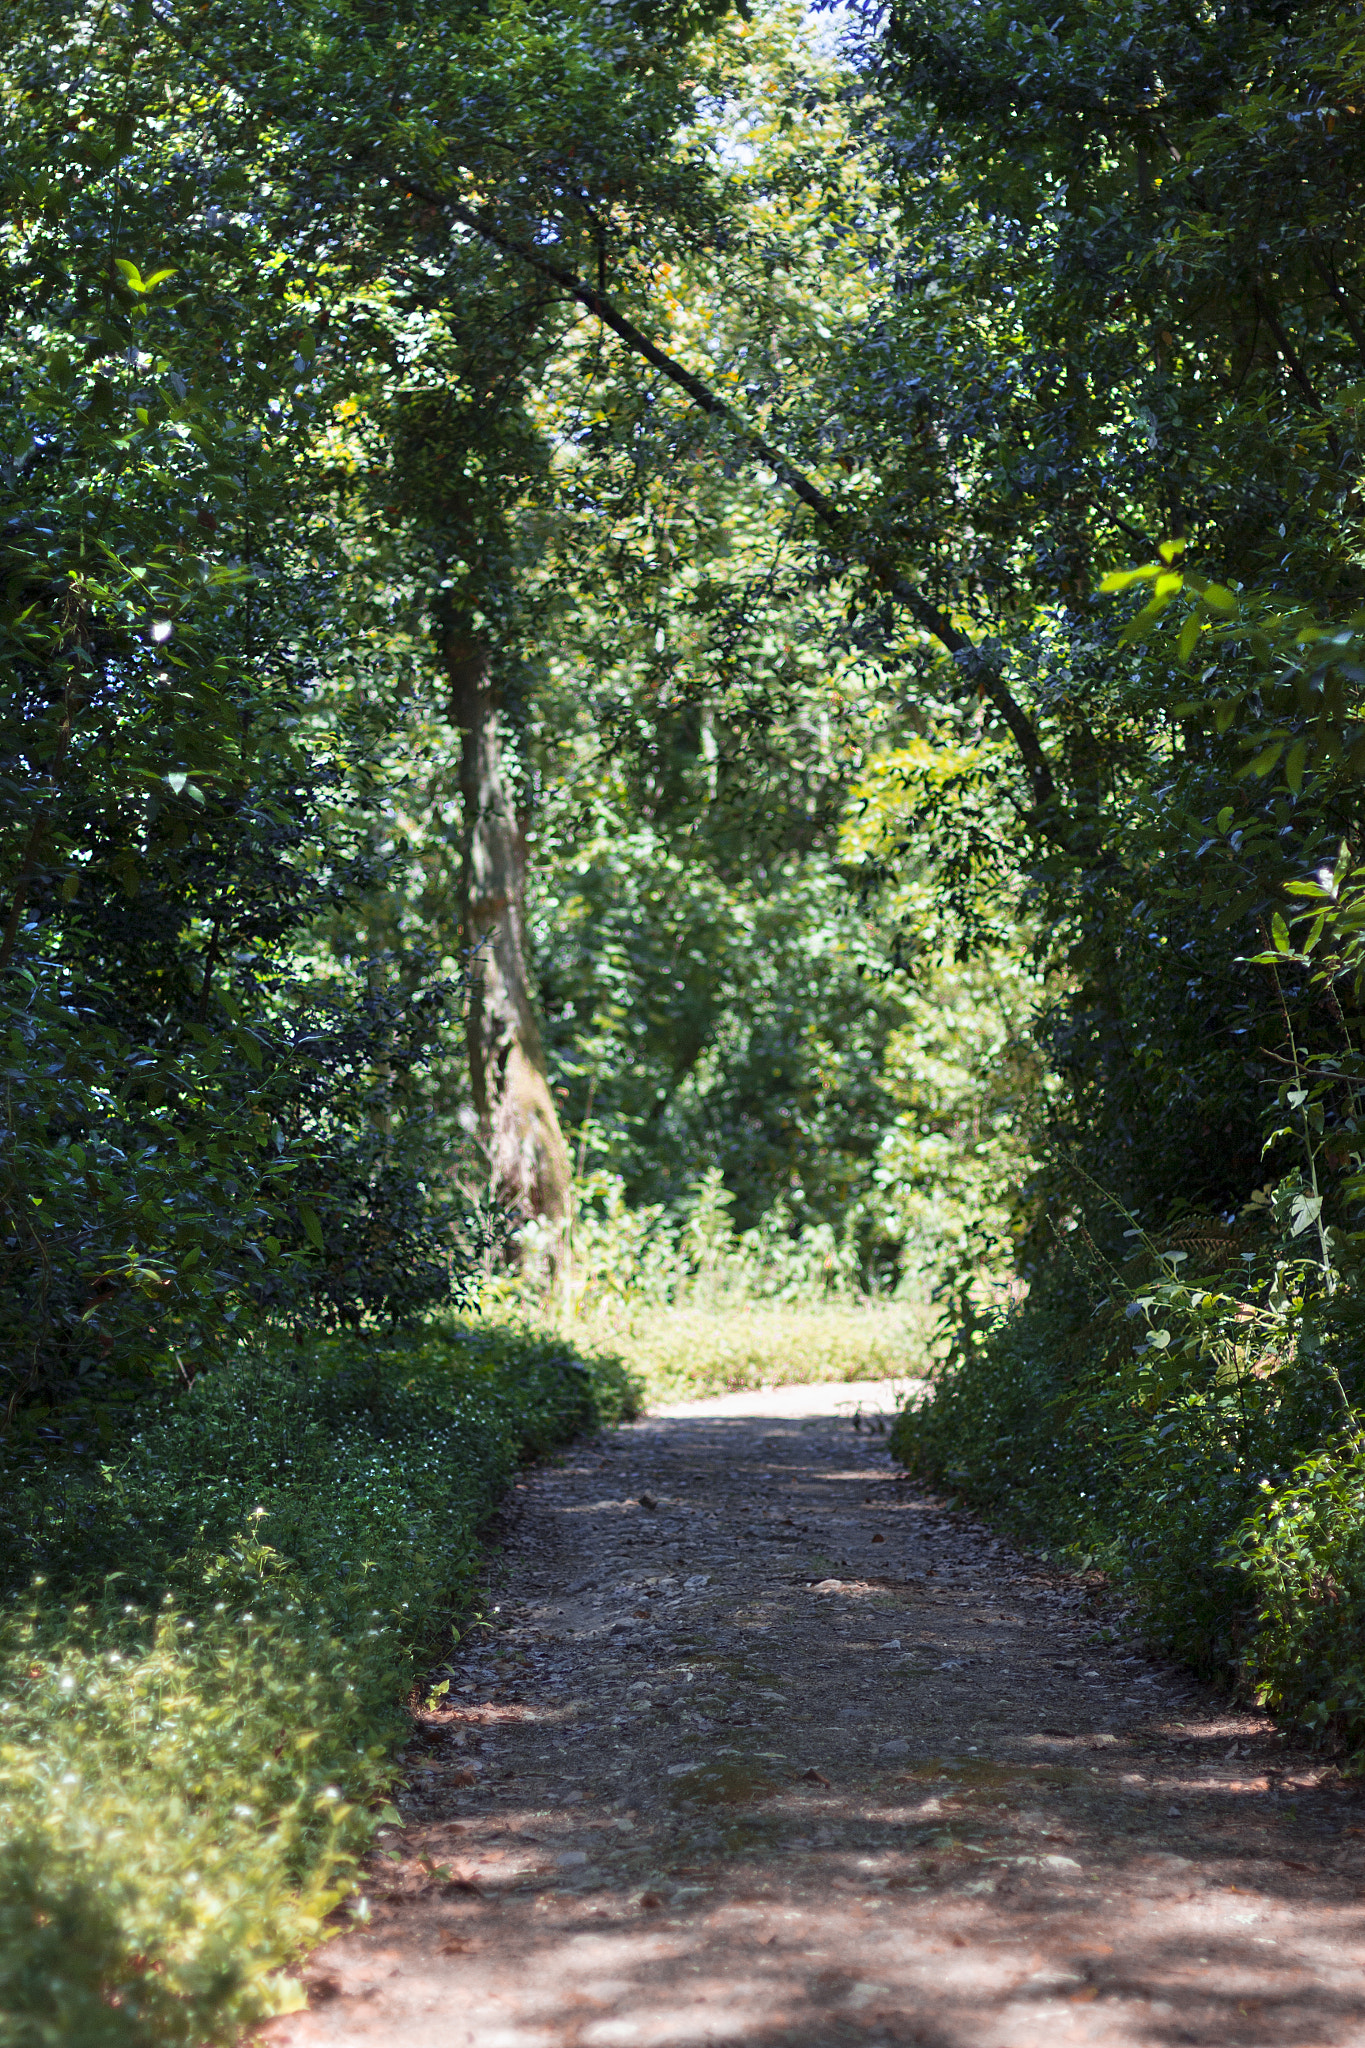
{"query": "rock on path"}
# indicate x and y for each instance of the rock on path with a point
(769, 1748)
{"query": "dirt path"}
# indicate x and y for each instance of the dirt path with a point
(770, 1750)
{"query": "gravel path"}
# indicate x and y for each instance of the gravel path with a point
(770, 1749)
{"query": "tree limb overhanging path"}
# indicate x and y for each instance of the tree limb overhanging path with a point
(767, 1746)
(975, 662)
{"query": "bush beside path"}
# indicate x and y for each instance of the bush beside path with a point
(765, 1741)
(208, 1631)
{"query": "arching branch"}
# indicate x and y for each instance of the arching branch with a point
(975, 662)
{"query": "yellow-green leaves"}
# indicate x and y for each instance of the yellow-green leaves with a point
(133, 281)
(1211, 600)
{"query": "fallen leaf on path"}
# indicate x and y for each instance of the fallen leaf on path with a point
(1083, 1997)
(464, 1776)
(650, 1902)
(814, 1777)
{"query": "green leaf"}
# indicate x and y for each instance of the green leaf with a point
(247, 1044)
(1124, 579)
(1294, 765)
(134, 281)
(1140, 628)
(312, 1228)
(1279, 932)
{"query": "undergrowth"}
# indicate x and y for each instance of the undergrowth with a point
(1213, 1466)
(207, 1638)
(695, 1308)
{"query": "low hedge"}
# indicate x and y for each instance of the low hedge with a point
(205, 1645)
(1226, 1503)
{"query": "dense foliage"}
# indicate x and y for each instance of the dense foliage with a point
(200, 1125)
(200, 1693)
(1165, 242)
(647, 668)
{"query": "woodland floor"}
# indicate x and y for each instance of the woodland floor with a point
(770, 1749)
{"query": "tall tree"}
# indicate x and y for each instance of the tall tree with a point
(568, 126)
(196, 1130)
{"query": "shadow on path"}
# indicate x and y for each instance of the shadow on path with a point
(768, 1747)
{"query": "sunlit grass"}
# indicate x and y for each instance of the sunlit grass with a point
(682, 1352)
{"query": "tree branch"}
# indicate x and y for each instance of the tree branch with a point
(28, 865)
(1289, 356)
(980, 666)
(1327, 272)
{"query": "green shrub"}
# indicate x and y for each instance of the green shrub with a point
(183, 1806)
(1302, 1552)
(1191, 1472)
(993, 1432)
(207, 1641)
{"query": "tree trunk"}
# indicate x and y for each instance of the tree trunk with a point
(527, 1156)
